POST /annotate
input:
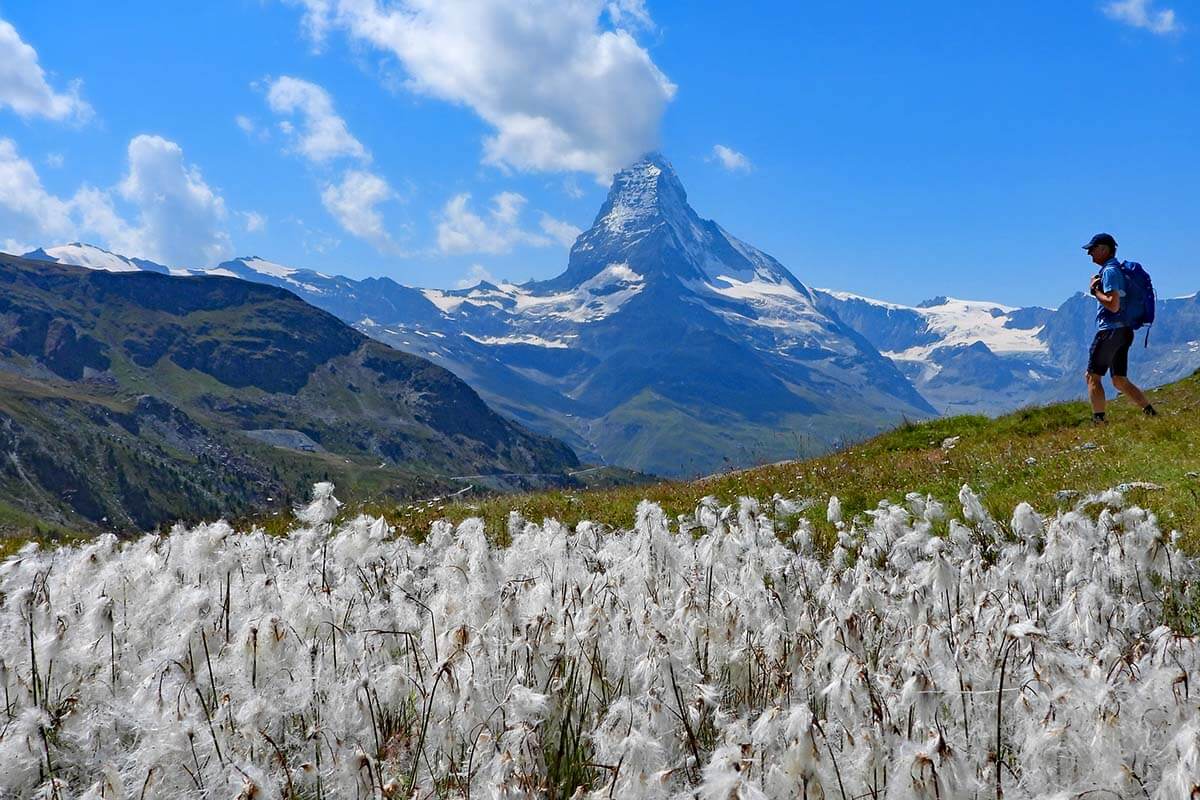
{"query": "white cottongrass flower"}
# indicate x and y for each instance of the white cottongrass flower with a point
(732, 661)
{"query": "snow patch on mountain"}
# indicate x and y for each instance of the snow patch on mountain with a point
(596, 298)
(92, 257)
(535, 341)
(268, 267)
(961, 322)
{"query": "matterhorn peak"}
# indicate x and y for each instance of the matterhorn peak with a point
(642, 194)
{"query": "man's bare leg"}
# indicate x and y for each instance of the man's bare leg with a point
(1096, 393)
(1126, 387)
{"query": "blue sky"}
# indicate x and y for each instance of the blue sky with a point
(894, 150)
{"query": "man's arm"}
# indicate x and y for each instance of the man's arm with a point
(1110, 300)
(1108, 288)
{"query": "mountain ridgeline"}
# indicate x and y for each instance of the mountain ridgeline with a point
(131, 399)
(670, 346)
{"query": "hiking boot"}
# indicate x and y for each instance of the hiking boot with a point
(1098, 418)
(1149, 411)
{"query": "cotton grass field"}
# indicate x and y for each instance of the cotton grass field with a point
(933, 653)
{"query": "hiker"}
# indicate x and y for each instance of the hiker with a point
(1110, 348)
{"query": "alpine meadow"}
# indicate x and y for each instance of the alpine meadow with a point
(599, 400)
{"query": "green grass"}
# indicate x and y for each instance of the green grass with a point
(1029, 455)
(27, 528)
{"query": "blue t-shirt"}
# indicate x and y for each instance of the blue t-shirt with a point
(1111, 279)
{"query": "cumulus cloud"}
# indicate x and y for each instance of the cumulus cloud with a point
(1139, 14)
(461, 230)
(27, 211)
(23, 84)
(179, 217)
(562, 232)
(324, 138)
(354, 203)
(561, 89)
(731, 159)
(322, 135)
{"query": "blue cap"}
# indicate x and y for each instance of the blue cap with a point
(1101, 238)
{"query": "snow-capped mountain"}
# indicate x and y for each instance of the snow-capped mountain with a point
(968, 356)
(671, 346)
(92, 257)
(666, 344)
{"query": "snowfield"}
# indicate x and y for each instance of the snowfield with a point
(715, 656)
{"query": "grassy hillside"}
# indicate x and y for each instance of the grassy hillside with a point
(131, 400)
(1037, 455)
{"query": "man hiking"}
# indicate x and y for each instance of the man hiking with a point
(1110, 348)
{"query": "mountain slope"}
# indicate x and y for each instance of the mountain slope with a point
(669, 345)
(666, 344)
(1051, 457)
(129, 399)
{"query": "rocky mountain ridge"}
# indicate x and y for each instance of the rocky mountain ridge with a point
(128, 398)
(671, 346)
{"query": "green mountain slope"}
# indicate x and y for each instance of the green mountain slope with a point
(129, 400)
(1049, 456)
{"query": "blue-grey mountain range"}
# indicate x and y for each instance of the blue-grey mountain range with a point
(670, 346)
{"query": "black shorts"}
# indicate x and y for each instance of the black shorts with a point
(1110, 350)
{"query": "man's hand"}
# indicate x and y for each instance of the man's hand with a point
(1096, 285)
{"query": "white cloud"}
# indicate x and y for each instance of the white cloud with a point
(562, 91)
(23, 85)
(96, 214)
(180, 219)
(254, 221)
(461, 230)
(252, 129)
(475, 275)
(731, 159)
(633, 11)
(354, 204)
(1139, 14)
(54, 160)
(27, 211)
(323, 135)
(571, 188)
(562, 232)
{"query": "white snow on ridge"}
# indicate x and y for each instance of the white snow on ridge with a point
(596, 298)
(535, 341)
(261, 265)
(92, 257)
(839, 295)
(961, 322)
